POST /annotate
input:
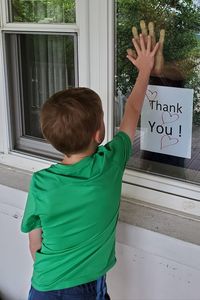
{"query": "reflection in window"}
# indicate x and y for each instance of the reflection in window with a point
(181, 21)
(42, 11)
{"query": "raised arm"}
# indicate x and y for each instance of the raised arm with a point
(144, 63)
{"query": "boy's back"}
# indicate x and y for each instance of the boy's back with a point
(77, 208)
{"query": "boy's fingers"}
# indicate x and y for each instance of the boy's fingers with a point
(142, 45)
(131, 59)
(155, 49)
(137, 48)
(135, 33)
(132, 53)
(152, 34)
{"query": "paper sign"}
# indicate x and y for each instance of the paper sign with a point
(166, 121)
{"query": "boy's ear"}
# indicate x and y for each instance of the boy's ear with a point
(97, 137)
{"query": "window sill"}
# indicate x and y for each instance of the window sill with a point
(165, 192)
(176, 224)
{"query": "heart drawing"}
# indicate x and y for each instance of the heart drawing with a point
(167, 141)
(151, 96)
(167, 117)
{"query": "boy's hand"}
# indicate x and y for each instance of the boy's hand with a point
(35, 241)
(145, 56)
(161, 68)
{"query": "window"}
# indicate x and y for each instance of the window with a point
(46, 46)
(38, 64)
(181, 21)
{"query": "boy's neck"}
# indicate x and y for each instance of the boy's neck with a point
(74, 158)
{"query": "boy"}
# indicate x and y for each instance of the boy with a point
(72, 207)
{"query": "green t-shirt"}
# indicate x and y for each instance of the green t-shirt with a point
(77, 208)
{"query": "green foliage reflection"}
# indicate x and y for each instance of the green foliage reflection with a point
(43, 11)
(181, 21)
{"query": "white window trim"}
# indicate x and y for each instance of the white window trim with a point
(164, 192)
(96, 56)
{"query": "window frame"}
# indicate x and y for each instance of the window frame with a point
(96, 70)
(95, 67)
(33, 28)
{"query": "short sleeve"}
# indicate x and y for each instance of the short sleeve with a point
(30, 219)
(120, 147)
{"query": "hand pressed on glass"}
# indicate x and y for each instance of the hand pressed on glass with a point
(159, 58)
(146, 52)
(161, 68)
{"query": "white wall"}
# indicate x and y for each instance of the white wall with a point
(15, 261)
(150, 266)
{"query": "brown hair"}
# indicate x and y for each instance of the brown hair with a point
(69, 119)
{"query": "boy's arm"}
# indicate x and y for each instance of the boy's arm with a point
(35, 241)
(144, 63)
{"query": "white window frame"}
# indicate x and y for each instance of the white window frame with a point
(96, 70)
(28, 144)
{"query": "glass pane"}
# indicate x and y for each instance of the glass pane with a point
(48, 66)
(40, 66)
(181, 21)
(42, 11)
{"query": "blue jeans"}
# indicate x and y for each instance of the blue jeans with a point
(94, 290)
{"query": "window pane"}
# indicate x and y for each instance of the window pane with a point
(42, 11)
(43, 64)
(181, 21)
